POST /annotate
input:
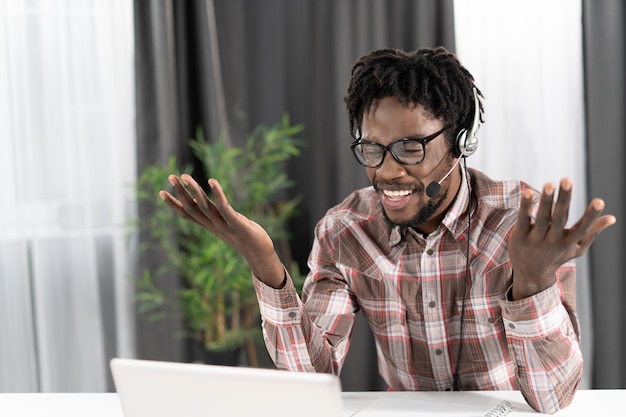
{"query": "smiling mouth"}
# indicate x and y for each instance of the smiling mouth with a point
(396, 194)
(395, 200)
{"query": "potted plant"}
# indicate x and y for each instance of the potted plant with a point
(216, 297)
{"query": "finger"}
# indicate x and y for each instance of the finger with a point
(188, 207)
(172, 201)
(596, 228)
(175, 204)
(221, 202)
(187, 202)
(525, 211)
(560, 213)
(544, 212)
(200, 197)
(584, 224)
(180, 191)
(166, 196)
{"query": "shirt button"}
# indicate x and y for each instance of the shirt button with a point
(432, 304)
(429, 252)
(491, 320)
(292, 314)
(438, 352)
(288, 299)
(511, 325)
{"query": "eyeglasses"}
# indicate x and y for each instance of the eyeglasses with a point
(407, 151)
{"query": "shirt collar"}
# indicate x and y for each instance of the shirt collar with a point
(455, 219)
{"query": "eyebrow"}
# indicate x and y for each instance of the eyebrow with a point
(417, 136)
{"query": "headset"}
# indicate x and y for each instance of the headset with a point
(466, 140)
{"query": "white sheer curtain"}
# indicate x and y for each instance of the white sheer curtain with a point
(67, 160)
(526, 56)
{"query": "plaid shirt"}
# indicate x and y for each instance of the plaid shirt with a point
(410, 288)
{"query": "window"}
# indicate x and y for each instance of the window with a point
(67, 136)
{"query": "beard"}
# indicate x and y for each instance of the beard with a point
(423, 214)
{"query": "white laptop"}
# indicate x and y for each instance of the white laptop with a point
(171, 389)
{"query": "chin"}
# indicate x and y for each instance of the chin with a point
(402, 221)
(420, 217)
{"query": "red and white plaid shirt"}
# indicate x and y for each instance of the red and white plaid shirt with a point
(409, 287)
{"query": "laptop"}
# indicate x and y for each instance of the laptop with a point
(168, 389)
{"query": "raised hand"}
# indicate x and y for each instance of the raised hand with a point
(218, 217)
(537, 249)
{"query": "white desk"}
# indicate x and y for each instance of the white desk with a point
(586, 403)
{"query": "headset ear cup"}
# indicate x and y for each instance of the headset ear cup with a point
(470, 145)
(467, 141)
(459, 144)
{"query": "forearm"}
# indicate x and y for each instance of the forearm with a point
(299, 346)
(292, 338)
(544, 341)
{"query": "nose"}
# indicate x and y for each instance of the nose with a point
(390, 168)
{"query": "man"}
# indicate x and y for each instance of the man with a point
(466, 282)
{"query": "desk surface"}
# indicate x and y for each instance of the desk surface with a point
(586, 402)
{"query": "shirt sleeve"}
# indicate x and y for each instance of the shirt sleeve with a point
(311, 333)
(543, 334)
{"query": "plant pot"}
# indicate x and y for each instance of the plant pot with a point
(229, 357)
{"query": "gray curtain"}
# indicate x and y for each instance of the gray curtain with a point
(276, 56)
(605, 87)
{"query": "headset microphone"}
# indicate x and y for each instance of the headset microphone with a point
(434, 187)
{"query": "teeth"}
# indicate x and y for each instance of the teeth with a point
(396, 193)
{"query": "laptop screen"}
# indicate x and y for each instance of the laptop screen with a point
(172, 389)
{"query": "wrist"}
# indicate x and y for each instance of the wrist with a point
(525, 286)
(268, 269)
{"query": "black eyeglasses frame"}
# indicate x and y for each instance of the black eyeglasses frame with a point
(422, 141)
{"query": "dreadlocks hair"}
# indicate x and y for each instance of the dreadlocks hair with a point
(433, 78)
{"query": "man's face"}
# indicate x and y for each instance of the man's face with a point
(401, 188)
